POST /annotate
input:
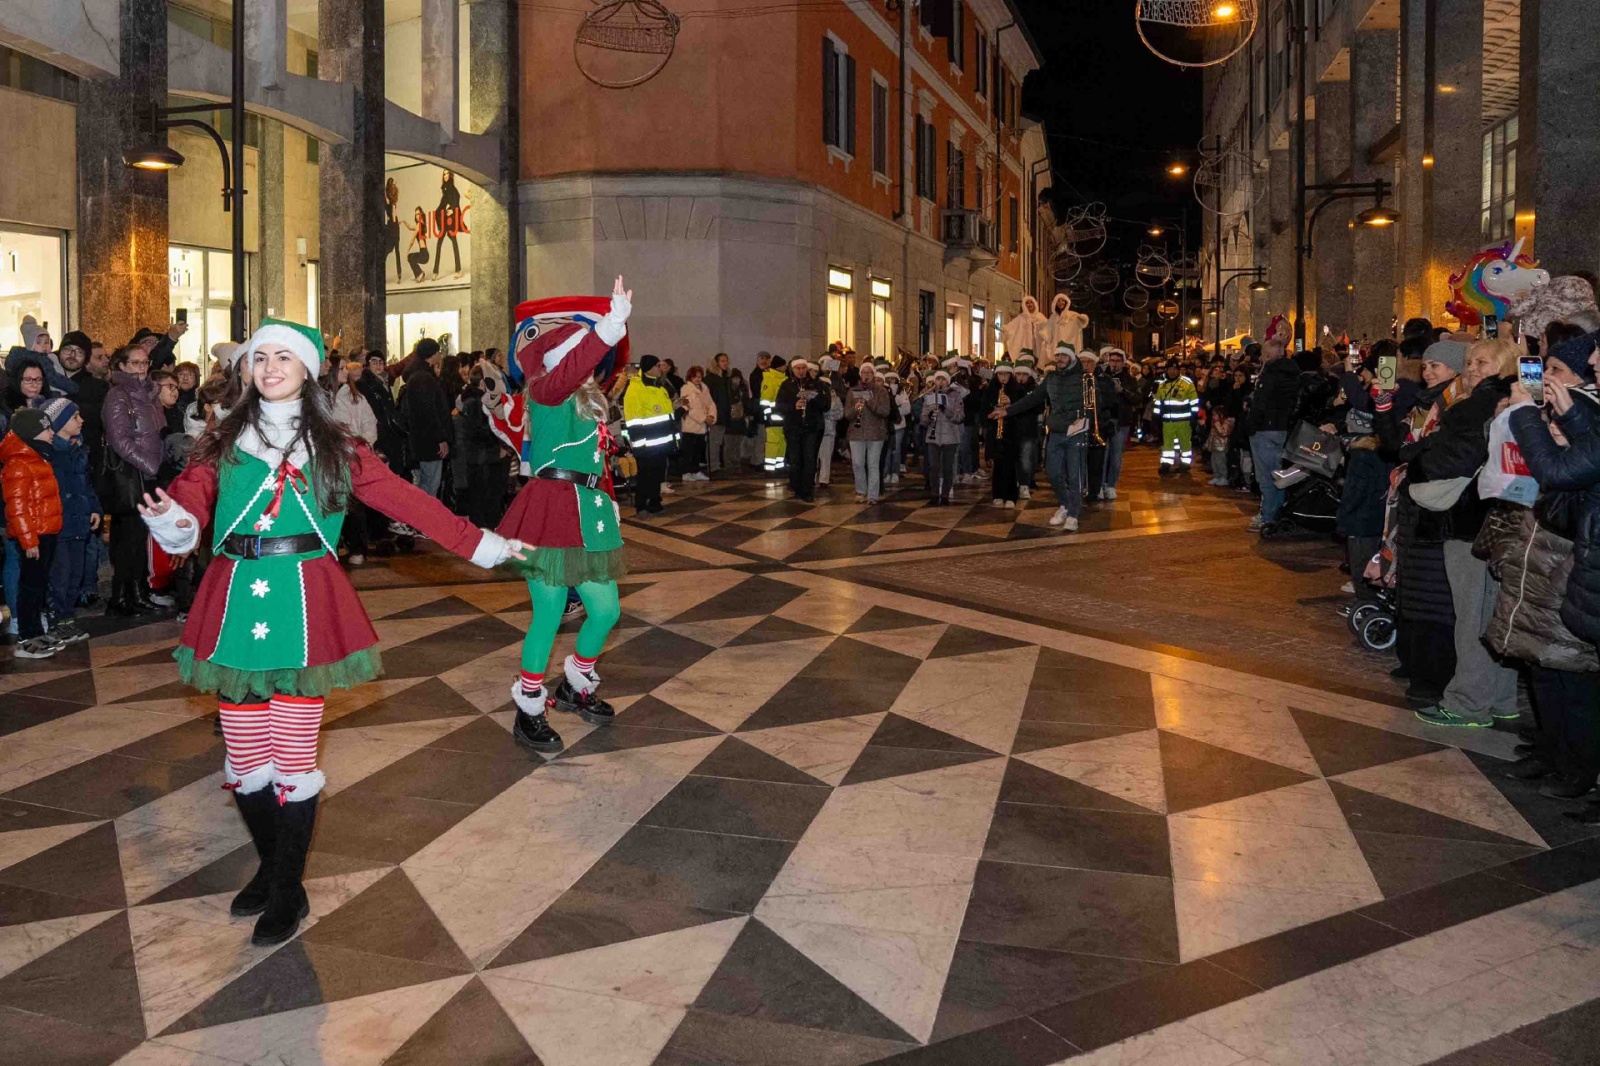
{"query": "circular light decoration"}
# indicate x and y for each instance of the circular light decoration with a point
(1139, 319)
(1084, 231)
(1186, 268)
(1066, 267)
(1105, 278)
(1167, 310)
(1105, 303)
(623, 43)
(1231, 168)
(1152, 271)
(1195, 33)
(1135, 298)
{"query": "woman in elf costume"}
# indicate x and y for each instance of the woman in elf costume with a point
(566, 348)
(275, 624)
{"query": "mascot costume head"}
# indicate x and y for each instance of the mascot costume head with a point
(545, 332)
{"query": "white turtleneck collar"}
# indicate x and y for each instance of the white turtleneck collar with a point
(280, 421)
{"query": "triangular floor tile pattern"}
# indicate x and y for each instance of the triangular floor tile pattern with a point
(826, 827)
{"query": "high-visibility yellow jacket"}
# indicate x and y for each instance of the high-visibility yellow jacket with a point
(1176, 401)
(647, 418)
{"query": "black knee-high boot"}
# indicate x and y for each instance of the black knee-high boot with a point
(286, 898)
(260, 811)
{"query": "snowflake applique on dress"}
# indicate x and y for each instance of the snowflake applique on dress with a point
(260, 631)
(600, 527)
(259, 587)
(264, 523)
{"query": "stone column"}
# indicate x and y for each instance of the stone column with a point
(441, 65)
(1565, 131)
(1279, 235)
(350, 49)
(122, 211)
(1413, 179)
(1331, 243)
(1372, 115)
(497, 282)
(271, 247)
(1456, 190)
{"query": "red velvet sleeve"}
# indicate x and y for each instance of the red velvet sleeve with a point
(195, 490)
(375, 485)
(553, 387)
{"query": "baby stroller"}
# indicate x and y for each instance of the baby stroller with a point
(1374, 623)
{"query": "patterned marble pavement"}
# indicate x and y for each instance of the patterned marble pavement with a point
(832, 825)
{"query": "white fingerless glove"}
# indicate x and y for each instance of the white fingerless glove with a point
(174, 540)
(493, 550)
(614, 325)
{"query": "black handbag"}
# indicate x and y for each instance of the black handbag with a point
(118, 483)
(1314, 449)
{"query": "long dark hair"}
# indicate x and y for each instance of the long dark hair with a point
(332, 448)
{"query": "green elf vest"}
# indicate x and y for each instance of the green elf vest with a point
(264, 642)
(560, 437)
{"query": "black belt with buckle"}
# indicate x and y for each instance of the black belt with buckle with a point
(587, 481)
(251, 547)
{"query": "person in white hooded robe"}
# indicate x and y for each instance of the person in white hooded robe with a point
(1025, 332)
(1065, 324)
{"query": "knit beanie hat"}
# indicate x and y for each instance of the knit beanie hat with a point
(77, 338)
(647, 363)
(29, 422)
(30, 329)
(1574, 355)
(60, 411)
(303, 341)
(1452, 354)
(1556, 299)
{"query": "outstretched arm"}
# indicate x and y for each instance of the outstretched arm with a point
(556, 385)
(177, 514)
(375, 485)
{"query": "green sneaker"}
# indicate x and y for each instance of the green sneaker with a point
(1441, 717)
(1505, 715)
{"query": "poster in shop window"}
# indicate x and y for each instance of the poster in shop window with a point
(427, 227)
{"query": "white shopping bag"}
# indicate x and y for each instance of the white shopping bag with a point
(1505, 476)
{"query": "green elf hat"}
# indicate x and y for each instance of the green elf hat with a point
(1025, 365)
(883, 367)
(303, 341)
(1005, 365)
(949, 362)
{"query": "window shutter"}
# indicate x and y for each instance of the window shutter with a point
(830, 90)
(849, 143)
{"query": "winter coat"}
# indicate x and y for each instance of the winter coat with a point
(476, 444)
(1423, 585)
(92, 405)
(721, 387)
(33, 502)
(942, 425)
(872, 421)
(426, 409)
(134, 420)
(1366, 485)
(1062, 389)
(1272, 402)
(810, 420)
(1534, 566)
(354, 413)
(1575, 468)
(69, 459)
(699, 409)
(1458, 448)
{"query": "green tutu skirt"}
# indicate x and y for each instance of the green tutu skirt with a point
(238, 686)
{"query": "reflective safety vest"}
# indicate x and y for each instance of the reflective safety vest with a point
(1176, 401)
(647, 419)
(776, 443)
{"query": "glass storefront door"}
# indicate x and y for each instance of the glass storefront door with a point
(32, 282)
(202, 284)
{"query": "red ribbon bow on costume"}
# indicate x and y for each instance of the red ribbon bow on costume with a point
(608, 443)
(288, 474)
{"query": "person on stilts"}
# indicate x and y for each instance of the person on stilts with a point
(567, 349)
(275, 625)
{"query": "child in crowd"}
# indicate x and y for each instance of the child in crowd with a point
(33, 518)
(81, 518)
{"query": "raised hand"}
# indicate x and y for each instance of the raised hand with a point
(158, 505)
(621, 301)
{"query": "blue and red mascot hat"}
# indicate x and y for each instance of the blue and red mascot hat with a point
(554, 325)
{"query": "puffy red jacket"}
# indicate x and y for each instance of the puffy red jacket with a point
(33, 502)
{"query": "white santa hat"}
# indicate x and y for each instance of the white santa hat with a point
(799, 361)
(303, 341)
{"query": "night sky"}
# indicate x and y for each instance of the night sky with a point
(1116, 115)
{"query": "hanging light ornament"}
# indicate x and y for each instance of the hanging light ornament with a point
(1230, 169)
(623, 43)
(1135, 298)
(1213, 31)
(1105, 278)
(1084, 231)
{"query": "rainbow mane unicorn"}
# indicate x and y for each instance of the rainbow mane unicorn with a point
(1491, 280)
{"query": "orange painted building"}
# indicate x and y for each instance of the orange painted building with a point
(783, 181)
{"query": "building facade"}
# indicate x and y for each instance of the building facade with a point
(1482, 115)
(378, 168)
(818, 189)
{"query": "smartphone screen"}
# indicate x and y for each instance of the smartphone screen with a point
(1491, 326)
(1388, 371)
(182, 315)
(1530, 373)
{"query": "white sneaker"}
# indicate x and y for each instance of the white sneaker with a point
(1061, 517)
(667, 490)
(1255, 524)
(1070, 525)
(161, 599)
(702, 477)
(357, 560)
(1011, 505)
(36, 648)
(1111, 493)
(995, 502)
(1025, 493)
(1348, 586)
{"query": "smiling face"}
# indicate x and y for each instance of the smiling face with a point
(31, 383)
(1434, 374)
(277, 373)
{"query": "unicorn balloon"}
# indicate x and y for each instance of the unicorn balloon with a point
(1492, 279)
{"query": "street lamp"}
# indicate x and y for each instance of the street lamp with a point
(1177, 169)
(160, 156)
(1258, 283)
(1377, 216)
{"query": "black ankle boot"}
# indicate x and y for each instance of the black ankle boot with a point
(260, 811)
(1569, 786)
(286, 897)
(533, 731)
(585, 705)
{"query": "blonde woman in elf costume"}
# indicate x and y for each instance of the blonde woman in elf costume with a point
(566, 348)
(275, 625)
